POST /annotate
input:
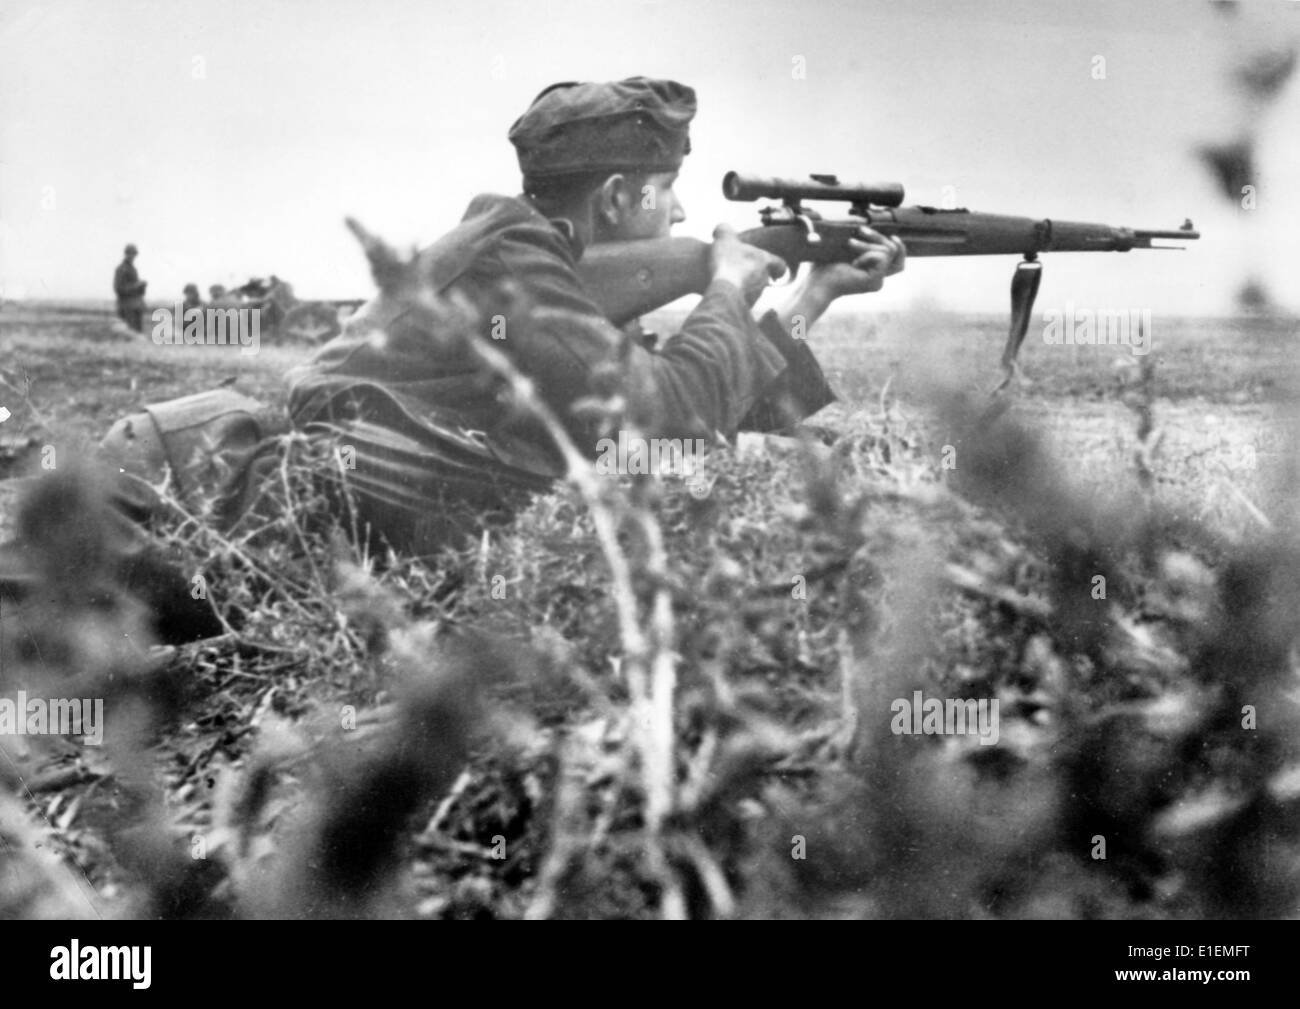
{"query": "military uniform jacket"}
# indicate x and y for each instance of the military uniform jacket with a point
(126, 285)
(722, 372)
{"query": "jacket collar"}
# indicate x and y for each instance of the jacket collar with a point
(565, 227)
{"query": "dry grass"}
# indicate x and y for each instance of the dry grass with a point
(637, 702)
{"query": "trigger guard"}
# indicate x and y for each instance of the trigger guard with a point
(786, 279)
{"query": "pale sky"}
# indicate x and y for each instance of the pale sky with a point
(230, 138)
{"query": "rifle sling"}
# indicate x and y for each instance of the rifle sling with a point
(1024, 289)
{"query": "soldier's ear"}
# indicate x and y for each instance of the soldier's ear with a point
(614, 199)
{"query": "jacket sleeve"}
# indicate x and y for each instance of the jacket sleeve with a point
(799, 392)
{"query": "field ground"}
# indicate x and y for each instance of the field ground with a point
(1218, 385)
(1202, 824)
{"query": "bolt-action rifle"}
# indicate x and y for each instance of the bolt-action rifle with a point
(628, 279)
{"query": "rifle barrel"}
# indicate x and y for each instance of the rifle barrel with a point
(928, 231)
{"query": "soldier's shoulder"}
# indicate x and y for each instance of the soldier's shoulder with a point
(496, 232)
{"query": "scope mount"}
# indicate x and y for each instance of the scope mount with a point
(792, 211)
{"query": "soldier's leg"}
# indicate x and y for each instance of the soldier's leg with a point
(417, 494)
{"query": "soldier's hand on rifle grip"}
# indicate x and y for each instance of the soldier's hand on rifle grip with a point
(748, 267)
(877, 257)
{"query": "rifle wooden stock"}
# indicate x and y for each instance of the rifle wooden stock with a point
(628, 279)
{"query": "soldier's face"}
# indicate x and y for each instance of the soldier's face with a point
(655, 208)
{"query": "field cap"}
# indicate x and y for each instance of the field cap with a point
(638, 124)
(130, 249)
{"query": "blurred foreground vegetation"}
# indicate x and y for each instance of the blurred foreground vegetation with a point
(469, 736)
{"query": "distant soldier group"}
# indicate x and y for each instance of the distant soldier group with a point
(273, 297)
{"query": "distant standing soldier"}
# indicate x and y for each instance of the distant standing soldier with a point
(192, 299)
(129, 289)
